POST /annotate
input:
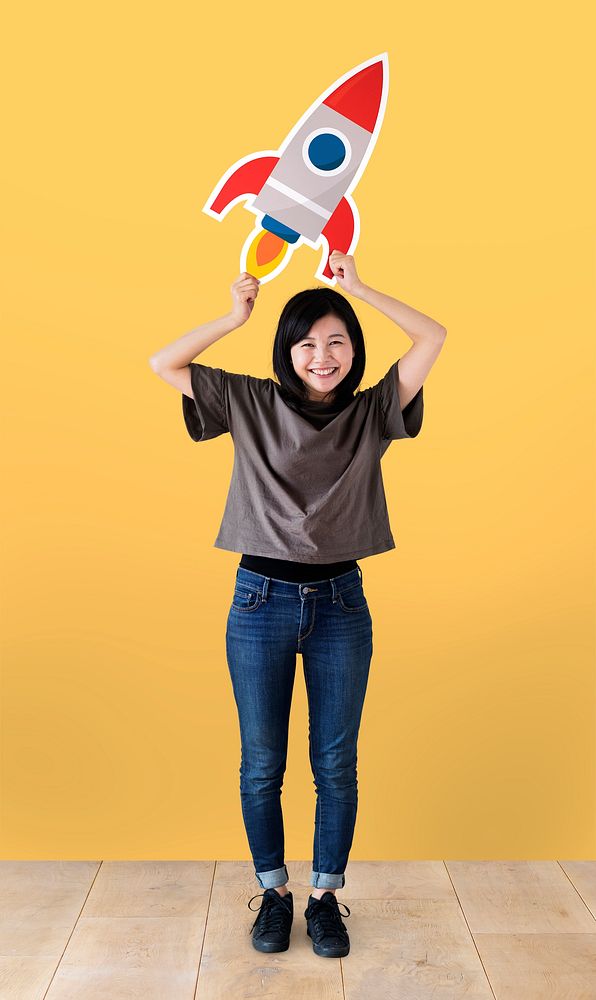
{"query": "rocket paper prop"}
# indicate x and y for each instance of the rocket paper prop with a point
(303, 188)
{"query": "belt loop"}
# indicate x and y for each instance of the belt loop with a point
(265, 588)
(333, 590)
(359, 572)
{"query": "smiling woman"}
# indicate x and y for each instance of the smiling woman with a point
(305, 501)
(318, 330)
(325, 357)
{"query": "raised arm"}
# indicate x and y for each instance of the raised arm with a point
(426, 334)
(172, 361)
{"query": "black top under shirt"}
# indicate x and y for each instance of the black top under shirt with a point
(319, 414)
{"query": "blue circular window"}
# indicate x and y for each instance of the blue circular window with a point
(327, 151)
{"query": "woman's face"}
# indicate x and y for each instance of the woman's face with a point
(327, 345)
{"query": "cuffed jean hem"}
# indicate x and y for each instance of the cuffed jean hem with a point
(321, 880)
(270, 880)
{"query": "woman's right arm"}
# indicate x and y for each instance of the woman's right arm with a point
(171, 363)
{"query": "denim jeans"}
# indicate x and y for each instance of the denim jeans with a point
(329, 623)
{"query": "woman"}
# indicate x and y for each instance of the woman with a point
(306, 500)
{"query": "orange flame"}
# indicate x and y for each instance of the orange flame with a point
(265, 253)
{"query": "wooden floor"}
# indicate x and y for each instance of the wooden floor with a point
(176, 930)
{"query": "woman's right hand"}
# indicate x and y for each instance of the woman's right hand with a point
(244, 292)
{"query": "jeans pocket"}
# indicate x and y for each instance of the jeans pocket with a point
(245, 599)
(353, 599)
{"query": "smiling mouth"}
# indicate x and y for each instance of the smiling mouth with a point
(328, 373)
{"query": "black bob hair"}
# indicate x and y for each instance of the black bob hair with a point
(295, 321)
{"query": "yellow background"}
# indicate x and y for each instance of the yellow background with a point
(120, 734)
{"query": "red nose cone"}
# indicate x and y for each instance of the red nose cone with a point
(359, 97)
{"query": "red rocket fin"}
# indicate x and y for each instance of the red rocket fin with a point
(247, 179)
(338, 232)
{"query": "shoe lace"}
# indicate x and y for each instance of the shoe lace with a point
(272, 912)
(326, 916)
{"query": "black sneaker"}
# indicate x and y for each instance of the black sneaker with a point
(325, 926)
(271, 929)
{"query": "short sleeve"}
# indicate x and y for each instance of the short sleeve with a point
(205, 414)
(395, 423)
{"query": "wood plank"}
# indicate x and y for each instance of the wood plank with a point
(582, 875)
(519, 897)
(140, 933)
(151, 889)
(540, 966)
(535, 935)
(41, 902)
(396, 880)
(409, 940)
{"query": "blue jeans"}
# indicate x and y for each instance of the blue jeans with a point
(329, 623)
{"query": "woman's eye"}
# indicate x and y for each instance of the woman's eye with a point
(333, 342)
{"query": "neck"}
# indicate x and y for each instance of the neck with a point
(321, 399)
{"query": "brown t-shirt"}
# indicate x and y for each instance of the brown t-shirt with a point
(299, 492)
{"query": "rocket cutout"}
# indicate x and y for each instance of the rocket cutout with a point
(301, 191)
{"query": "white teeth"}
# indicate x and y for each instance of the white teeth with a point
(322, 371)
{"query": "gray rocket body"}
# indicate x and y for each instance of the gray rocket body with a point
(302, 196)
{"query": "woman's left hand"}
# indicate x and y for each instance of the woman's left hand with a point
(344, 269)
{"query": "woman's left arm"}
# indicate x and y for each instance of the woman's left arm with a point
(417, 326)
(427, 335)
